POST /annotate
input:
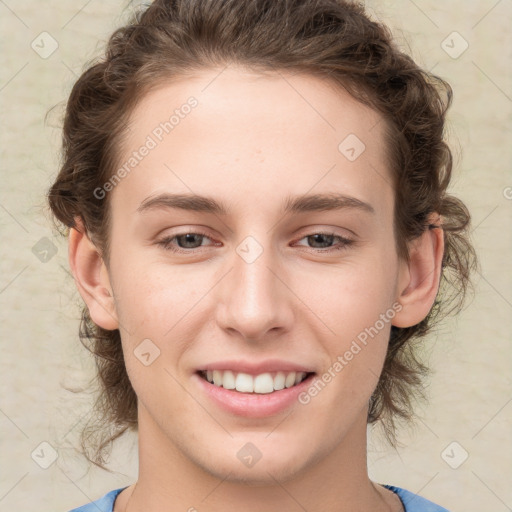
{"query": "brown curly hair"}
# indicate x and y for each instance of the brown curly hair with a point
(332, 39)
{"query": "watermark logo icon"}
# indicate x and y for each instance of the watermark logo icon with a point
(351, 147)
(44, 45)
(454, 455)
(44, 455)
(44, 249)
(454, 45)
(249, 455)
(249, 249)
(146, 352)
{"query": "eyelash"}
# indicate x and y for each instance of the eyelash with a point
(166, 243)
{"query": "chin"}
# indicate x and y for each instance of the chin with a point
(272, 465)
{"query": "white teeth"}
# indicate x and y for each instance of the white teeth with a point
(290, 380)
(228, 380)
(263, 383)
(244, 383)
(217, 378)
(279, 381)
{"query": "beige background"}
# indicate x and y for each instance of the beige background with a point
(470, 391)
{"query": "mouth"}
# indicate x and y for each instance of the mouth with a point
(261, 384)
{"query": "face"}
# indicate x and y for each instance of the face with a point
(239, 282)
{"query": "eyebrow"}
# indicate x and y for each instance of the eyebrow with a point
(292, 204)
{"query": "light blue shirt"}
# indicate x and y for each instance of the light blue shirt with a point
(411, 502)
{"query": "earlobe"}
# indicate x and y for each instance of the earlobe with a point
(419, 278)
(91, 278)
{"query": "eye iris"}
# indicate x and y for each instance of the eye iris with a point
(325, 244)
(187, 240)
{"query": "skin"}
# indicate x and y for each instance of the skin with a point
(252, 141)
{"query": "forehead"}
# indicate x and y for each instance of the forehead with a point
(252, 139)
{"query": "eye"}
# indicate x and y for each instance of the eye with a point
(325, 239)
(186, 242)
(189, 241)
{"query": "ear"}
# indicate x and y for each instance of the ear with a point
(418, 281)
(91, 278)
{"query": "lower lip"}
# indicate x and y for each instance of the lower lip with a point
(253, 405)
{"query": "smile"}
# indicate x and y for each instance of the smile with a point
(247, 401)
(262, 383)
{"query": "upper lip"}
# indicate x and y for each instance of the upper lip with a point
(253, 368)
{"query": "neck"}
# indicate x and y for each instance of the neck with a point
(336, 481)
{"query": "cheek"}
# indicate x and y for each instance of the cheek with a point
(356, 304)
(351, 297)
(358, 312)
(151, 298)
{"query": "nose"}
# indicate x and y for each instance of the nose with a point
(254, 300)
